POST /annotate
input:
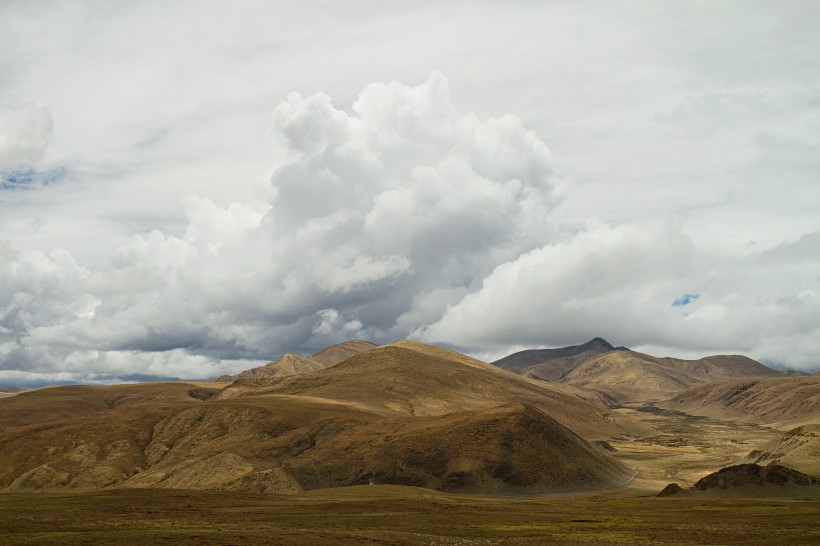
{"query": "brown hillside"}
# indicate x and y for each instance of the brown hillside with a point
(783, 402)
(750, 474)
(504, 449)
(403, 416)
(424, 381)
(51, 405)
(336, 353)
(621, 375)
(283, 444)
(293, 364)
(798, 448)
(288, 364)
(749, 480)
(629, 376)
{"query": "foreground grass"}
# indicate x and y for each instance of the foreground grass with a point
(397, 515)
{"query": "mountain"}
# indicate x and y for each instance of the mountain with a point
(793, 373)
(411, 378)
(798, 448)
(628, 376)
(552, 364)
(293, 364)
(336, 353)
(286, 365)
(782, 402)
(406, 414)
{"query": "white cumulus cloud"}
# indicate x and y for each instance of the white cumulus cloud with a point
(374, 216)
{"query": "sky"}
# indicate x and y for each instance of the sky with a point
(194, 188)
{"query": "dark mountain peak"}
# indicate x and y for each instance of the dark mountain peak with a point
(524, 359)
(598, 342)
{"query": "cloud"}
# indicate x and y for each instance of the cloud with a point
(609, 281)
(805, 249)
(617, 281)
(403, 216)
(191, 229)
(376, 215)
(107, 367)
(25, 132)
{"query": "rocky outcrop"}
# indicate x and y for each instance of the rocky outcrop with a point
(751, 474)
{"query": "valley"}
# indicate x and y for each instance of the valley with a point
(685, 448)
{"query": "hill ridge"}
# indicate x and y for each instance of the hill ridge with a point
(627, 375)
(412, 414)
(295, 364)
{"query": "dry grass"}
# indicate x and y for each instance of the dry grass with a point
(783, 402)
(686, 448)
(390, 515)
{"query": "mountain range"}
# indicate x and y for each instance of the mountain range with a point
(406, 413)
(629, 376)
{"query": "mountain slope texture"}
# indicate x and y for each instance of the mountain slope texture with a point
(293, 364)
(629, 376)
(798, 448)
(407, 414)
(784, 402)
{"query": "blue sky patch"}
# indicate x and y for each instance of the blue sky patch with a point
(16, 177)
(685, 300)
(27, 177)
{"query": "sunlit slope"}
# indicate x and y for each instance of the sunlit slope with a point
(784, 402)
(340, 351)
(295, 364)
(632, 376)
(798, 448)
(420, 416)
(629, 376)
(408, 378)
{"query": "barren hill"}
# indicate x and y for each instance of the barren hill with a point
(780, 401)
(750, 474)
(411, 378)
(406, 414)
(798, 448)
(632, 376)
(750, 480)
(629, 376)
(293, 364)
(552, 364)
(336, 353)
